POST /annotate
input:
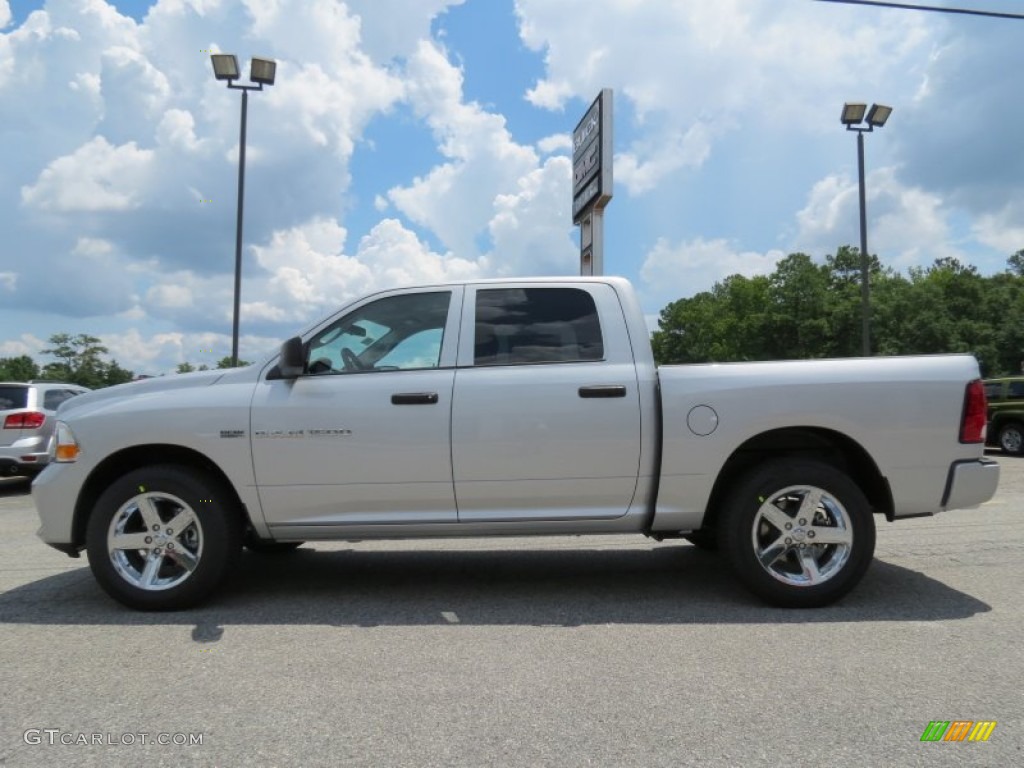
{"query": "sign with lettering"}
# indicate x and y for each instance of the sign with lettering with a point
(592, 157)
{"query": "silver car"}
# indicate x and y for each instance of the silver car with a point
(27, 422)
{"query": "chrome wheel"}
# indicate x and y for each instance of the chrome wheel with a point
(155, 541)
(802, 536)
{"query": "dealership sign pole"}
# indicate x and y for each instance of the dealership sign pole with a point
(592, 180)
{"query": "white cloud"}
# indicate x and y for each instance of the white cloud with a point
(456, 199)
(160, 353)
(692, 72)
(132, 86)
(95, 177)
(8, 281)
(1003, 229)
(392, 28)
(332, 106)
(556, 143)
(645, 166)
(906, 225)
(177, 131)
(531, 226)
(673, 272)
(5, 13)
(310, 275)
(301, 274)
(169, 296)
(92, 246)
(25, 344)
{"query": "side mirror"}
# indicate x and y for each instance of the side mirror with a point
(293, 358)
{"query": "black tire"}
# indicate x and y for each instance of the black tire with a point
(753, 527)
(1011, 438)
(704, 539)
(168, 569)
(267, 547)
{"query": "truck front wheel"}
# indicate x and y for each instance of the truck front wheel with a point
(163, 538)
(799, 533)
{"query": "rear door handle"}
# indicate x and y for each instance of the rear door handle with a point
(603, 390)
(414, 398)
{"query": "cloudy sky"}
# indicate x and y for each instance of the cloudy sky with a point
(415, 141)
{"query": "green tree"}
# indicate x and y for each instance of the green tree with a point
(115, 374)
(185, 367)
(806, 309)
(798, 324)
(725, 323)
(1016, 263)
(79, 361)
(20, 368)
(225, 362)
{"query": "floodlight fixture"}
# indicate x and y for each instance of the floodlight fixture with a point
(262, 71)
(853, 114)
(225, 66)
(878, 114)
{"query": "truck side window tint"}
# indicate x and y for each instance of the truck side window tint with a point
(402, 332)
(536, 325)
(1016, 390)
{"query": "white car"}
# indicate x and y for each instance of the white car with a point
(27, 420)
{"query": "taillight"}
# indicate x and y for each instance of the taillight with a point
(972, 423)
(26, 420)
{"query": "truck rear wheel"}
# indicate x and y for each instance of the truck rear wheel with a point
(163, 538)
(799, 533)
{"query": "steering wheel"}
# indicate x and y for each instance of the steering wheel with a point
(351, 361)
(321, 365)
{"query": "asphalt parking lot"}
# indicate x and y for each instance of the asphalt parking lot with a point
(591, 651)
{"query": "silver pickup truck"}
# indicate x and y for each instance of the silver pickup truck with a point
(506, 408)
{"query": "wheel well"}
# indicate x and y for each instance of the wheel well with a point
(807, 442)
(128, 459)
(1000, 420)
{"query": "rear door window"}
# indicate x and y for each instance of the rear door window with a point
(516, 326)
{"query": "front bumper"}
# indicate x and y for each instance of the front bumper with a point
(55, 494)
(970, 483)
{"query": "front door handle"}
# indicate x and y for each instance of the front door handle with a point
(414, 398)
(603, 390)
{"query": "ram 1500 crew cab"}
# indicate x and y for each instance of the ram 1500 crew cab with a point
(510, 407)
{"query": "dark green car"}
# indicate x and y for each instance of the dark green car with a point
(1006, 413)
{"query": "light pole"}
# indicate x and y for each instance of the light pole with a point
(261, 72)
(852, 117)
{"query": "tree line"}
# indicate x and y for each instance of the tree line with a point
(805, 309)
(79, 360)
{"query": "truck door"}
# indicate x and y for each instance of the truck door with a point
(546, 409)
(363, 437)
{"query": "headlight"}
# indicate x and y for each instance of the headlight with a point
(65, 447)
